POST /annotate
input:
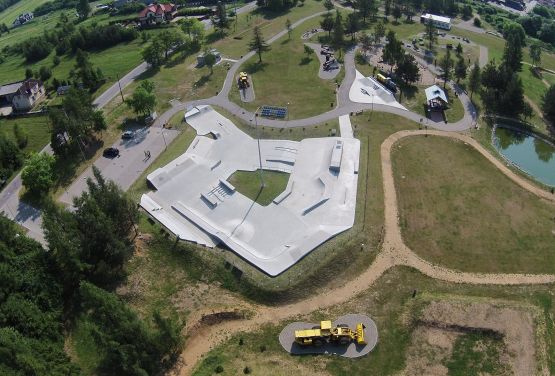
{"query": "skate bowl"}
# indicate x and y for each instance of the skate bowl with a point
(287, 338)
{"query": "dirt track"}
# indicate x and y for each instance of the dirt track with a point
(394, 253)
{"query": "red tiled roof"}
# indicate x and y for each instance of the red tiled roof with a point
(156, 9)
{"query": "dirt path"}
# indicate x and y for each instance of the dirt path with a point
(394, 253)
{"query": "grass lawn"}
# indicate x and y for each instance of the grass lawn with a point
(396, 314)
(248, 183)
(459, 211)
(37, 129)
(287, 77)
(8, 15)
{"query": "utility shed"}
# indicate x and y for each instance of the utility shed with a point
(436, 98)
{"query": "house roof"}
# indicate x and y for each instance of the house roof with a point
(10, 88)
(435, 92)
(27, 85)
(158, 9)
(436, 18)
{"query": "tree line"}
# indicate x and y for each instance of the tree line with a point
(67, 38)
(43, 294)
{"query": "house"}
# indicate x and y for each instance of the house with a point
(154, 14)
(436, 98)
(22, 18)
(63, 89)
(438, 21)
(22, 95)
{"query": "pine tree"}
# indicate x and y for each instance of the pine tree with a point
(258, 44)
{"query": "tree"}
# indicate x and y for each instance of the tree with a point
(154, 53)
(502, 91)
(75, 123)
(430, 34)
(193, 28)
(396, 13)
(328, 5)
(338, 32)
(45, 73)
(515, 39)
(307, 51)
(460, 69)
(327, 23)
(210, 61)
(29, 73)
(352, 25)
(536, 54)
(365, 42)
(221, 22)
(393, 51)
(365, 8)
(459, 49)
(258, 44)
(143, 100)
(89, 77)
(477, 22)
(466, 12)
(83, 8)
(474, 80)
(548, 104)
(379, 32)
(169, 39)
(407, 70)
(446, 65)
(288, 27)
(387, 7)
(37, 175)
(20, 136)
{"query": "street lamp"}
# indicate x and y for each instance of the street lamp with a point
(259, 152)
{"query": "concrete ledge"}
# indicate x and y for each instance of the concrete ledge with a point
(287, 338)
(283, 195)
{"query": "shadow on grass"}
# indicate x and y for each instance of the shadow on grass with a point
(254, 67)
(66, 166)
(202, 81)
(305, 60)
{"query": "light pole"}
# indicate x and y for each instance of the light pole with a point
(121, 93)
(259, 152)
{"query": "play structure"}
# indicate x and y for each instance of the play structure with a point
(324, 333)
(351, 336)
(195, 201)
(243, 81)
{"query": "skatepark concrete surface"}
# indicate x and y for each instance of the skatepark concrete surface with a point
(194, 200)
(287, 338)
(368, 90)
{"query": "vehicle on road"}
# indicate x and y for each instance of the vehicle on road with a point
(127, 135)
(110, 153)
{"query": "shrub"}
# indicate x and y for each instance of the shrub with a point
(20, 136)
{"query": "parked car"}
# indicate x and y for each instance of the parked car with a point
(110, 153)
(127, 135)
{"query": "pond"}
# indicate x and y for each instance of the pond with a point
(531, 154)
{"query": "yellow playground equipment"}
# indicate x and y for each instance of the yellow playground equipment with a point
(243, 80)
(324, 333)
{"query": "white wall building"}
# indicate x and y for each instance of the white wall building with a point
(438, 21)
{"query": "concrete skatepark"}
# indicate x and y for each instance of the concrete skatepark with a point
(194, 200)
(287, 338)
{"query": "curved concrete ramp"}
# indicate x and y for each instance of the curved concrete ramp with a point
(287, 338)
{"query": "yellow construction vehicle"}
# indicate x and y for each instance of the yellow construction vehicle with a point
(324, 333)
(243, 80)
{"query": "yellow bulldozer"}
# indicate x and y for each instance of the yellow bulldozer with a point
(324, 333)
(243, 80)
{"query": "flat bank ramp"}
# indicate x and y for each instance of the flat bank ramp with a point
(287, 338)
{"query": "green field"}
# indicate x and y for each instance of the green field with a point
(458, 210)
(302, 92)
(23, 6)
(37, 129)
(249, 184)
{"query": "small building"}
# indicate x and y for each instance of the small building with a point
(213, 51)
(436, 98)
(63, 89)
(155, 14)
(22, 95)
(438, 21)
(22, 18)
